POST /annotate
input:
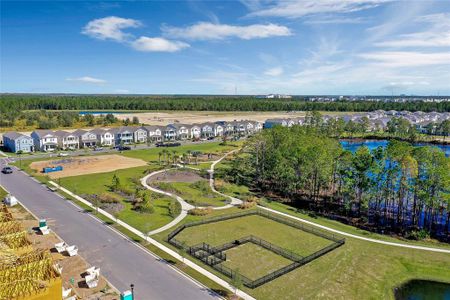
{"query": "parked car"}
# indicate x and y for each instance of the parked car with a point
(7, 170)
(173, 144)
(159, 144)
(98, 148)
(63, 154)
(124, 148)
(211, 138)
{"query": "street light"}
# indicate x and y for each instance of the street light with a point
(132, 290)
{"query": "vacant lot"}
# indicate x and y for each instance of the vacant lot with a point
(175, 176)
(75, 166)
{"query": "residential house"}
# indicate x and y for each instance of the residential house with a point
(218, 129)
(207, 130)
(154, 133)
(44, 140)
(15, 142)
(195, 131)
(170, 133)
(67, 140)
(228, 128)
(182, 131)
(104, 137)
(124, 135)
(87, 139)
(140, 135)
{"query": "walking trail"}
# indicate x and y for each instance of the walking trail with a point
(185, 207)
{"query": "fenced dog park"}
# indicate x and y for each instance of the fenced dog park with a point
(256, 246)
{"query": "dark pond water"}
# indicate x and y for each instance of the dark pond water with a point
(423, 290)
(373, 144)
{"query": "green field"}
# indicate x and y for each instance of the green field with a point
(100, 183)
(254, 261)
(289, 238)
(197, 193)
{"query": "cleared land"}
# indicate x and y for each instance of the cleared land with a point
(176, 176)
(75, 166)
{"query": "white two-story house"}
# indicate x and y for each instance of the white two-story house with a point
(124, 135)
(140, 135)
(195, 131)
(154, 133)
(67, 140)
(44, 140)
(182, 131)
(207, 130)
(104, 137)
(170, 133)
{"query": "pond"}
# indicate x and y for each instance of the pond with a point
(353, 145)
(423, 290)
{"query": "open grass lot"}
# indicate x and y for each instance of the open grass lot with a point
(248, 258)
(196, 193)
(289, 238)
(101, 183)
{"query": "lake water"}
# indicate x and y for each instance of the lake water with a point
(423, 290)
(353, 145)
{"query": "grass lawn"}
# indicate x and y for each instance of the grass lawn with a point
(196, 193)
(287, 237)
(152, 154)
(100, 183)
(254, 261)
(3, 193)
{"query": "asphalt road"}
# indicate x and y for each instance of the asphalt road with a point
(120, 260)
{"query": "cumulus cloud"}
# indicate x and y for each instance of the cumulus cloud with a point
(110, 28)
(157, 44)
(211, 31)
(300, 8)
(277, 71)
(87, 79)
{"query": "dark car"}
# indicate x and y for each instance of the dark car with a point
(123, 148)
(173, 144)
(7, 170)
(159, 144)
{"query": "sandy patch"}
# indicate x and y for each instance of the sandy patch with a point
(190, 117)
(74, 166)
(176, 176)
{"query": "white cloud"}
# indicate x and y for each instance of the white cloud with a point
(210, 31)
(87, 79)
(335, 20)
(393, 59)
(300, 8)
(110, 28)
(277, 71)
(437, 35)
(157, 44)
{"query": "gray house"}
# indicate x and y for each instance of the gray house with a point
(16, 142)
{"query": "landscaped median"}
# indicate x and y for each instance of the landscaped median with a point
(155, 243)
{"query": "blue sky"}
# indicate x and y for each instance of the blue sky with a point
(217, 47)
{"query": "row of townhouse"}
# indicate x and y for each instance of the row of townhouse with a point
(48, 140)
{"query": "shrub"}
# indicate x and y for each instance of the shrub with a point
(219, 184)
(418, 235)
(109, 198)
(201, 211)
(174, 208)
(201, 185)
(125, 190)
(144, 207)
(247, 204)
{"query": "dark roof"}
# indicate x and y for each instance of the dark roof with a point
(15, 135)
(41, 133)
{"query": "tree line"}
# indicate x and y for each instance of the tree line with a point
(400, 188)
(12, 103)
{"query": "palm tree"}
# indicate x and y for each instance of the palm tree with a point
(189, 153)
(159, 156)
(174, 155)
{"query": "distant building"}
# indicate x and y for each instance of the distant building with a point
(16, 142)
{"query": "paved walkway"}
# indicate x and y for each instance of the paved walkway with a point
(164, 248)
(335, 230)
(185, 207)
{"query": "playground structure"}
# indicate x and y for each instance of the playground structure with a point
(25, 272)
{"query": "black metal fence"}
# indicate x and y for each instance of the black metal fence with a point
(215, 256)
